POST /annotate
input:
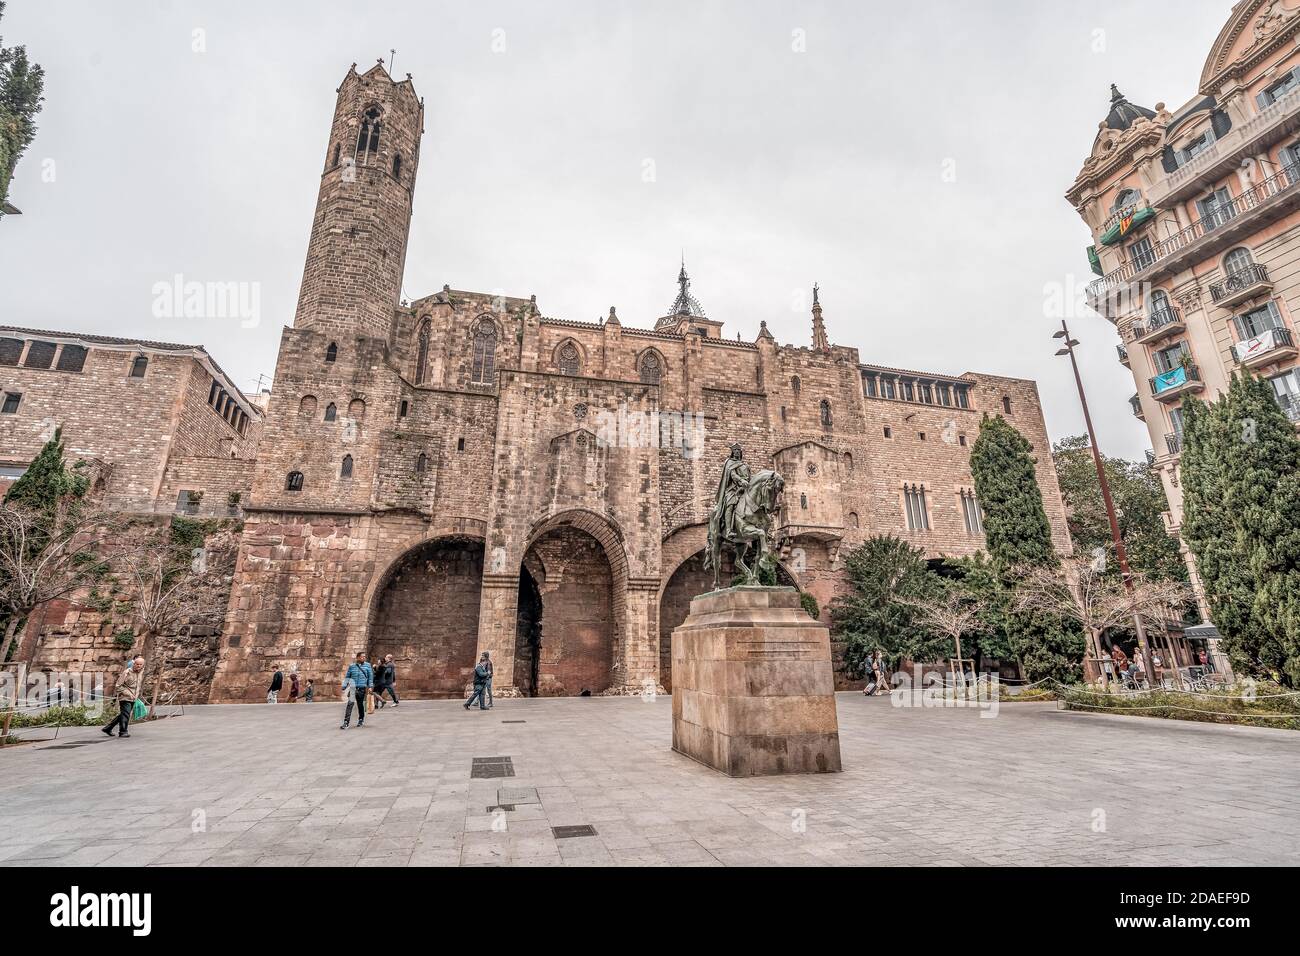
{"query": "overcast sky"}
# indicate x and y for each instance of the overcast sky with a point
(909, 157)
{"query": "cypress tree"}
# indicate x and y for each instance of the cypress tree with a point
(1241, 519)
(1018, 534)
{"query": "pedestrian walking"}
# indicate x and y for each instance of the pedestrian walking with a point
(277, 681)
(311, 691)
(386, 680)
(488, 660)
(294, 687)
(482, 671)
(357, 683)
(128, 692)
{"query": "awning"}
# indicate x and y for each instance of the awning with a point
(1204, 632)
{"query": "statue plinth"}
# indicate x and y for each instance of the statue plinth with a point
(753, 688)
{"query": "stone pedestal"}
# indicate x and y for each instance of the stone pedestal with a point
(753, 689)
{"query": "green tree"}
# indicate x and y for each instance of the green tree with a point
(978, 577)
(1139, 502)
(1241, 519)
(1019, 536)
(21, 86)
(885, 574)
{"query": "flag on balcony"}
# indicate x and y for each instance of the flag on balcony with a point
(1126, 224)
(1094, 261)
(1171, 379)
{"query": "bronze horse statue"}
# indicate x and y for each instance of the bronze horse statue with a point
(744, 525)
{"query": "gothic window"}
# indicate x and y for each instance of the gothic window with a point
(368, 136)
(422, 353)
(918, 515)
(970, 512)
(827, 421)
(138, 366)
(1006, 405)
(651, 368)
(794, 386)
(397, 167)
(422, 463)
(485, 347)
(346, 470)
(331, 412)
(332, 353)
(293, 482)
(307, 407)
(568, 359)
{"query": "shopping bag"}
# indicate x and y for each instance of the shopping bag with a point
(139, 711)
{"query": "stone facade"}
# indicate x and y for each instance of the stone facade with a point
(463, 473)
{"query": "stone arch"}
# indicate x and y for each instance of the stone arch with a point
(562, 361)
(423, 609)
(570, 632)
(651, 366)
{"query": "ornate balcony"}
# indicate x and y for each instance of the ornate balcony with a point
(1241, 285)
(1171, 385)
(1136, 403)
(1159, 325)
(1123, 354)
(1174, 442)
(1265, 348)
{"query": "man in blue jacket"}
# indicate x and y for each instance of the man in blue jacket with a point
(356, 682)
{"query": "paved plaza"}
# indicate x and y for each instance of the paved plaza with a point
(282, 786)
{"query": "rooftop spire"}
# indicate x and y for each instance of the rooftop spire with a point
(819, 341)
(685, 303)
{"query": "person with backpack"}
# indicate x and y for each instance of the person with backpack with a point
(386, 680)
(482, 674)
(357, 682)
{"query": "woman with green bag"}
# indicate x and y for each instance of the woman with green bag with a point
(129, 703)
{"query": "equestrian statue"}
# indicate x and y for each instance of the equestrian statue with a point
(742, 516)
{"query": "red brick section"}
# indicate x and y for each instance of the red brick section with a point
(427, 618)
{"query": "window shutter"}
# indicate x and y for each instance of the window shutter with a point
(1168, 160)
(1220, 123)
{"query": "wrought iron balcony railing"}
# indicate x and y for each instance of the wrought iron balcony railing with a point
(1123, 353)
(1175, 380)
(1174, 442)
(1238, 281)
(1253, 350)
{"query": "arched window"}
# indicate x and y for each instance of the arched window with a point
(368, 135)
(795, 385)
(332, 353)
(403, 408)
(853, 519)
(422, 353)
(307, 407)
(331, 412)
(1158, 303)
(803, 502)
(651, 368)
(422, 463)
(484, 366)
(138, 366)
(293, 482)
(848, 462)
(827, 421)
(568, 359)
(1126, 198)
(346, 470)
(338, 148)
(1238, 261)
(397, 166)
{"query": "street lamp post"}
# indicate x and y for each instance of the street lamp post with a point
(1120, 553)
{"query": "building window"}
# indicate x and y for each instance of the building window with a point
(1141, 253)
(397, 167)
(421, 463)
(293, 482)
(40, 355)
(368, 135)
(869, 386)
(483, 371)
(568, 359)
(11, 403)
(306, 407)
(803, 502)
(1258, 321)
(970, 511)
(945, 393)
(1006, 405)
(827, 421)
(906, 390)
(422, 353)
(1216, 209)
(331, 412)
(338, 148)
(925, 392)
(11, 350)
(853, 519)
(795, 385)
(918, 516)
(12, 472)
(962, 394)
(848, 462)
(138, 366)
(72, 358)
(403, 408)
(782, 413)
(1238, 261)
(921, 436)
(460, 444)
(346, 470)
(887, 387)
(1166, 360)
(889, 432)
(332, 353)
(961, 440)
(651, 368)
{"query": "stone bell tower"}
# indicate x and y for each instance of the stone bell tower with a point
(353, 277)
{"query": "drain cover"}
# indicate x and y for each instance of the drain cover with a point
(582, 830)
(488, 767)
(517, 795)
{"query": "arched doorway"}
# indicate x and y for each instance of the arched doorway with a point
(688, 581)
(565, 635)
(426, 615)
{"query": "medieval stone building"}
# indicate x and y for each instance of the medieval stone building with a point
(463, 473)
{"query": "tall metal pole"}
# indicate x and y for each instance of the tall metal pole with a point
(1120, 553)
